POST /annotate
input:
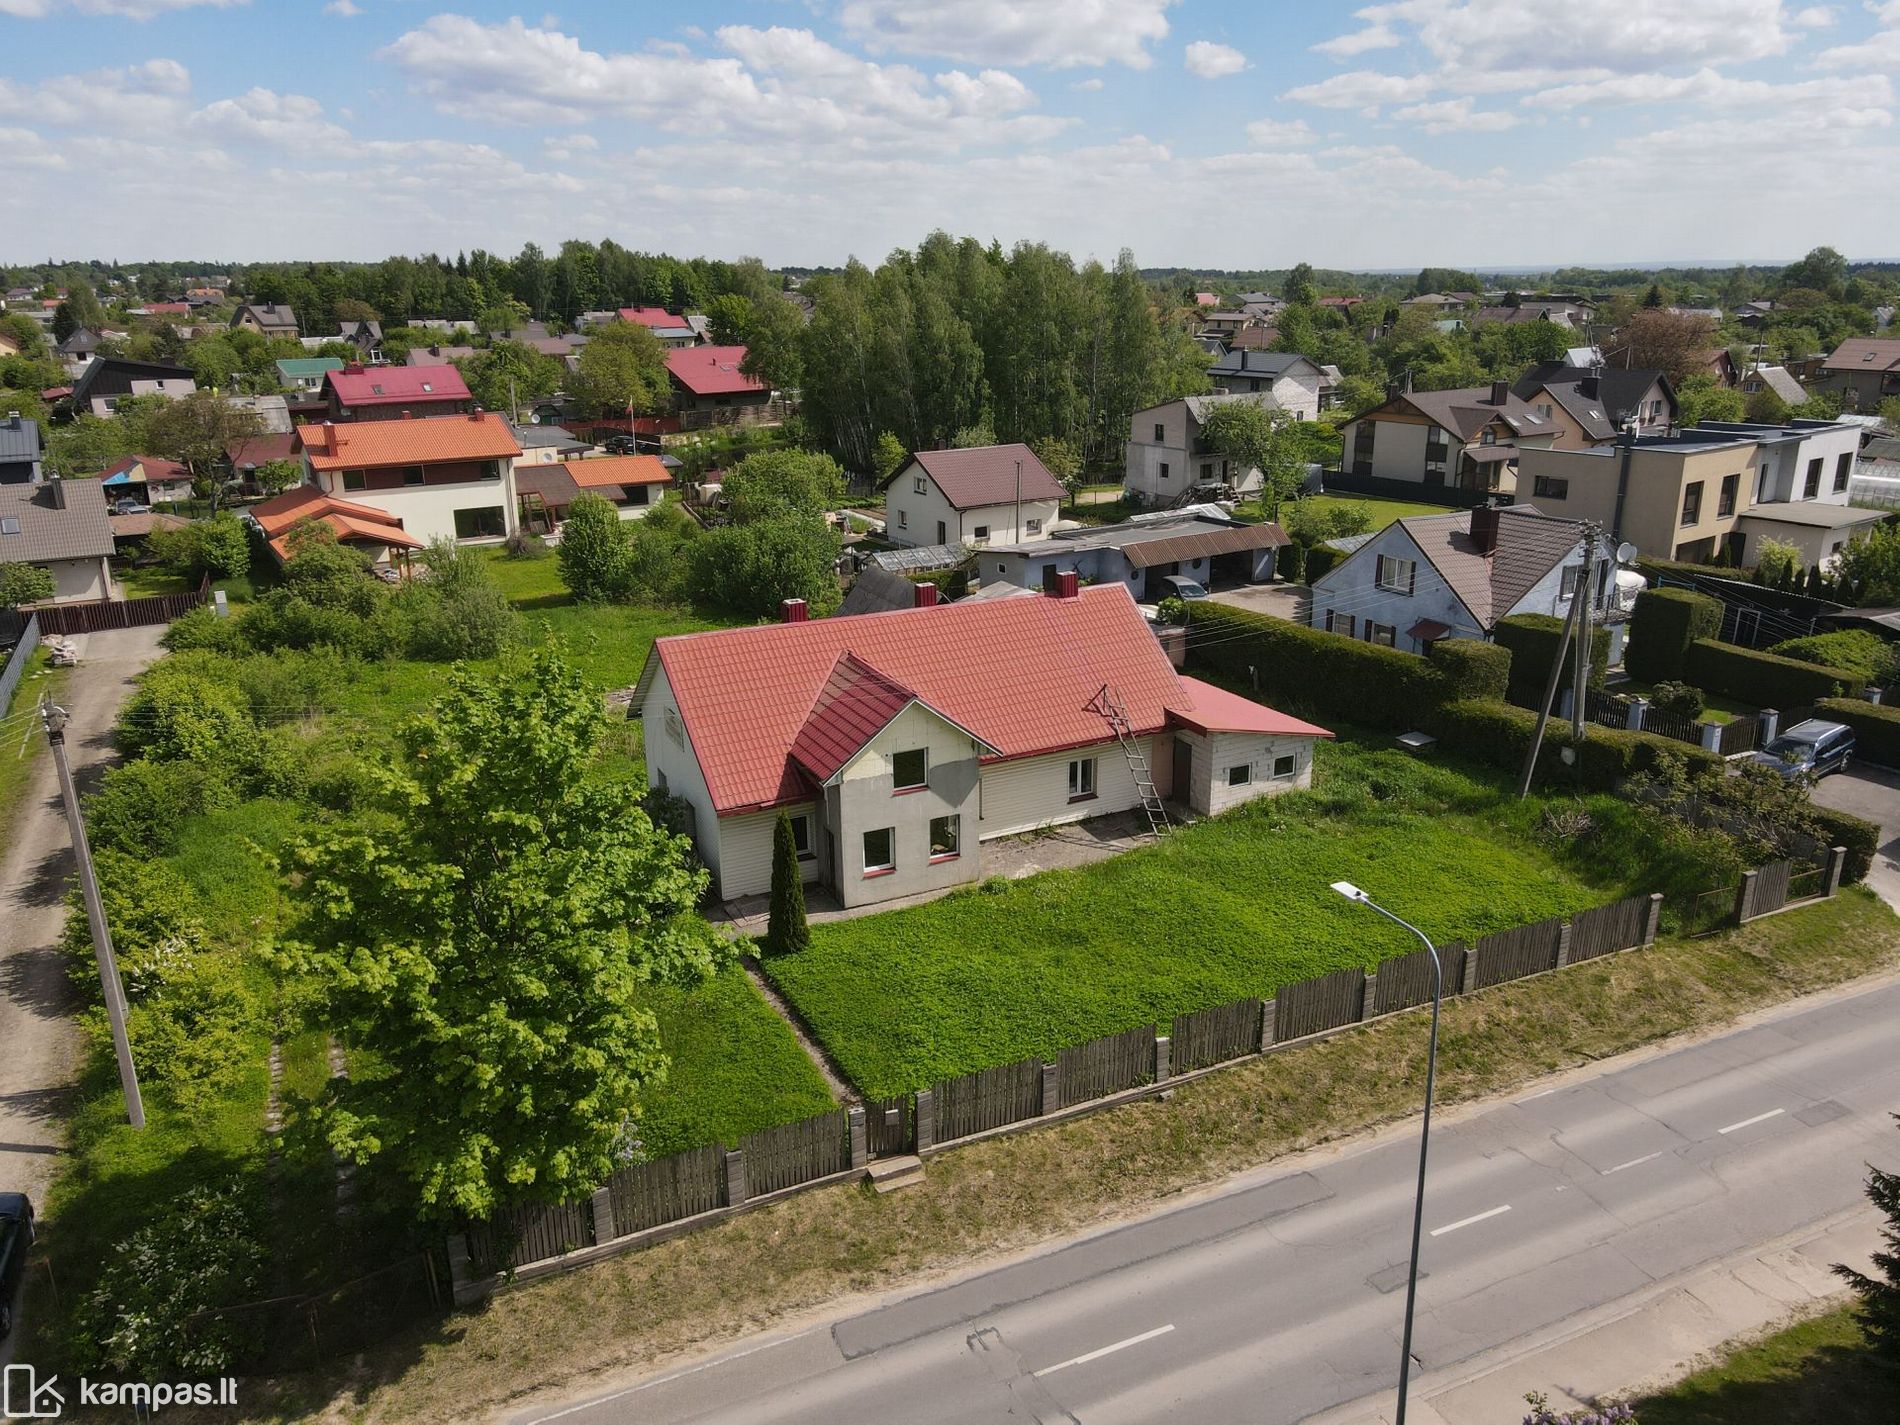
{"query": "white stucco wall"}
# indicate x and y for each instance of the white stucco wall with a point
(1214, 756)
(671, 764)
(79, 580)
(911, 517)
(428, 511)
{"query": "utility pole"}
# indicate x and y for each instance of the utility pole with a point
(1580, 679)
(54, 718)
(1550, 696)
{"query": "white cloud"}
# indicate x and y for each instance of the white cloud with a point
(1087, 86)
(1879, 51)
(1455, 116)
(1213, 61)
(1709, 88)
(264, 116)
(119, 9)
(1059, 33)
(1278, 133)
(1358, 42)
(1817, 17)
(344, 8)
(135, 99)
(1495, 35)
(1362, 88)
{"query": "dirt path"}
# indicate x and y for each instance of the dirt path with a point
(36, 861)
(833, 1076)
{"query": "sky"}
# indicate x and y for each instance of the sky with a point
(1196, 133)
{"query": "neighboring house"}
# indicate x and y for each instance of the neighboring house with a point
(879, 591)
(266, 319)
(899, 743)
(1719, 364)
(710, 389)
(1454, 576)
(1291, 379)
(1253, 339)
(634, 483)
(365, 336)
(1592, 405)
(1468, 438)
(999, 494)
(1167, 455)
(163, 309)
(375, 532)
(149, 479)
(672, 329)
(391, 393)
(443, 477)
(107, 380)
(130, 531)
(246, 455)
(60, 526)
(306, 373)
(1559, 313)
(1141, 554)
(9, 347)
(1863, 371)
(1778, 379)
(79, 344)
(22, 450)
(1716, 488)
(438, 355)
(547, 445)
(272, 412)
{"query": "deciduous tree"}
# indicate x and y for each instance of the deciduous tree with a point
(196, 431)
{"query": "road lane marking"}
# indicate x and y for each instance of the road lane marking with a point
(1751, 1122)
(1545, 1094)
(1633, 1163)
(1467, 1221)
(1083, 1360)
(676, 1375)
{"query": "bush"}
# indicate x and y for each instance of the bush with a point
(1321, 560)
(1499, 734)
(1662, 626)
(192, 1039)
(156, 929)
(1876, 727)
(1860, 836)
(593, 551)
(1471, 669)
(1677, 699)
(1290, 563)
(141, 806)
(459, 611)
(202, 629)
(1533, 640)
(1864, 656)
(219, 547)
(1762, 680)
(187, 710)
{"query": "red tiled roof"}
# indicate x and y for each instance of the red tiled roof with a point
(1018, 674)
(1213, 709)
(369, 444)
(305, 502)
(618, 470)
(654, 318)
(985, 475)
(854, 704)
(167, 309)
(711, 370)
(392, 385)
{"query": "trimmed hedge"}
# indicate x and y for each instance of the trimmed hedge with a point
(1662, 626)
(1471, 669)
(1762, 679)
(1860, 836)
(1290, 563)
(1657, 568)
(1533, 640)
(1500, 734)
(1321, 560)
(1876, 727)
(1855, 651)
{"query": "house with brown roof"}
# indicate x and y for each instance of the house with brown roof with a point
(1863, 371)
(1455, 575)
(1467, 439)
(1592, 405)
(988, 493)
(546, 489)
(896, 763)
(442, 477)
(266, 319)
(60, 526)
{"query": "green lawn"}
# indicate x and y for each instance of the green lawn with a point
(1714, 709)
(735, 1067)
(1381, 512)
(22, 743)
(1233, 906)
(149, 580)
(1817, 1372)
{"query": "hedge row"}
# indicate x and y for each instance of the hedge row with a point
(1860, 836)
(1471, 669)
(1500, 734)
(1662, 626)
(1763, 680)
(1876, 727)
(1533, 640)
(1321, 560)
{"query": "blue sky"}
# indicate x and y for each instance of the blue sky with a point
(1195, 132)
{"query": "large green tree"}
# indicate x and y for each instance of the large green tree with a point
(196, 431)
(622, 369)
(593, 550)
(24, 584)
(1256, 438)
(486, 943)
(1880, 1295)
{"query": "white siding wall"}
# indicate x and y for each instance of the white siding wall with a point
(428, 511)
(745, 854)
(1034, 791)
(672, 764)
(912, 518)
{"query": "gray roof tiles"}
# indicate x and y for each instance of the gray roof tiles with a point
(82, 530)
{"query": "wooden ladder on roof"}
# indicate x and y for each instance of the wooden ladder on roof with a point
(1110, 706)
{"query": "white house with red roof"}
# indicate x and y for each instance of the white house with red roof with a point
(900, 742)
(391, 393)
(710, 388)
(987, 494)
(446, 477)
(671, 328)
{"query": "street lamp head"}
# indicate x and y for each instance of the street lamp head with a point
(1352, 892)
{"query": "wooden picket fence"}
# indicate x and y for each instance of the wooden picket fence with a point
(1605, 929)
(987, 1099)
(1316, 1005)
(529, 1234)
(667, 1189)
(1515, 953)
(1406, 980)
(1213, 1036)
(794, 1153)
(1109, 1065)
(119, 613)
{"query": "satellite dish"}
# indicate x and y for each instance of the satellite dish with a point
(1625, 552)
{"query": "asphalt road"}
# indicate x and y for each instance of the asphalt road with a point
(1284, 1298)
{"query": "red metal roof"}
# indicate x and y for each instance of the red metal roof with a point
(307, 502)
(711, 370)
(592, 474)
(855, 702)
(1213, 709)
(369, 444)
(1018, 674)
(262, 449)
(392, 385)
(654, 318)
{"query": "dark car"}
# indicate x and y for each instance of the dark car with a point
(16, 1235)
(1809, 749)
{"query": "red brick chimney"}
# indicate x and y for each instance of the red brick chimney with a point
(1066, 584)
(793, 611)
(1484, 528)
(924, 596)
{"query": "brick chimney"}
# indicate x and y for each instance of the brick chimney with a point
(1484, 528)
(1066, 585)
(1589, 386)
(1500, 392)
(353, 368)
(793, 611)
(924, 596)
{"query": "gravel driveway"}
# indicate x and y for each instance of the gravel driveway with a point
(41, 1050)
(1873, 793)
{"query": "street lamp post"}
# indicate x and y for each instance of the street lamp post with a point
(1359, 897)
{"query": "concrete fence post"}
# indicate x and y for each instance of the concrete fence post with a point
(1051, 1086)
(1469, 982)
(1370, 998)
(1836, 864)
(1654, 921)
(603, 1203)
(1745, 897)
(1164, 1058)
(860, 1150)
(924, 1119)
(1639, 709)
(1563, 943)
(736, 1193)
(1770, 724)
(461, 1269)
(1266, 1025)
(1876, 696)
(1711, 736)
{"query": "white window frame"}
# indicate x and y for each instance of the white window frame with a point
(807, 852)
(922, 782)
(1290, 762)
(955, 837)
(880, 868)
(1240, 775)
(1391, 584)
(1082, 782)
(1341, 623)
(920, 486)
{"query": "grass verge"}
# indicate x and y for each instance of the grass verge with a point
(1817, 1372)
(747, 1274)
(22, 743)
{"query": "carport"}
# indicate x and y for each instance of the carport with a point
(1224, 557)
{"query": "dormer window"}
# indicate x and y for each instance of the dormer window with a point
(426, 388)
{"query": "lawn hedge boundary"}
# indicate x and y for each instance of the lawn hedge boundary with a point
(1763, 680)
(1533, 640)
(1499, 734)
(1662, 626)
(1876, 727)
(1860, 836)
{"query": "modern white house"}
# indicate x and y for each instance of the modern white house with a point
(439, 477)
(1292, 380)
(1141, 554)
(1168, 456)
(986, 494)
(900, 743)
(1455, 575)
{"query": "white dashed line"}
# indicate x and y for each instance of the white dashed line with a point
(1632, 1163)
(1751, 1122)
(1467, 1221)
(1106, 1350)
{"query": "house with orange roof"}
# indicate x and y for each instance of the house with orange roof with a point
(442, 477)
(377, 533)
(546, 490)
(899, 743)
